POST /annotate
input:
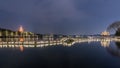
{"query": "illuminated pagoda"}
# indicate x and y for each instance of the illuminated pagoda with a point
(26, 36)
(9, 35)
(21, 29)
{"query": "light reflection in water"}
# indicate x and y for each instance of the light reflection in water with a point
(24, 44)
(105, 43)
(21, 48)
(114, 49)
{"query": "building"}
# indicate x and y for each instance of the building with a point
(9, 35)
(105, 33)
(48, 37)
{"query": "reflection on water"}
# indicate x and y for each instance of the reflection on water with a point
(105, 43)
(115, 51)
(21, 48)
(56, 54)
(117, 44)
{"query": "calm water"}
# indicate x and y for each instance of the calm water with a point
(83, 55)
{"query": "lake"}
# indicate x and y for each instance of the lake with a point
(79, 55)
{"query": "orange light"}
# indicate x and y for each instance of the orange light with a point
(21, 39)
(21, 29)
(21, 48)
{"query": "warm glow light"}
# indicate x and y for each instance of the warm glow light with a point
(105, 43)
(105, 33)
(20, 29)
(21, 48)
(21, 39)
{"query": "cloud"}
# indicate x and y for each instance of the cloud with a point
(43, 8)
(57, 16)
(48, 14)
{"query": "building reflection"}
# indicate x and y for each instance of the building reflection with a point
(21, 48)
(105, 43)
(113, 49)
(64, 41)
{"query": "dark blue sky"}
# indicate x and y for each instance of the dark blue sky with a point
(59, 16)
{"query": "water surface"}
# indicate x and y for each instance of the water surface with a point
(79, 55)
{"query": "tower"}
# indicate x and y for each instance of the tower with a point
(21, 29)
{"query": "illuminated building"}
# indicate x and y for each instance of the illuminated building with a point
(47, 37)
(21, 29)
(105, 33)
(9, 35)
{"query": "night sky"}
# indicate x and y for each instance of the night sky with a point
(59, 16)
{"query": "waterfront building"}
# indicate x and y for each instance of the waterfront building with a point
(9, 35)
(105, 33)
(48, 37)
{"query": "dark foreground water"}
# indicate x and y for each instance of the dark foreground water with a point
(83, 55)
